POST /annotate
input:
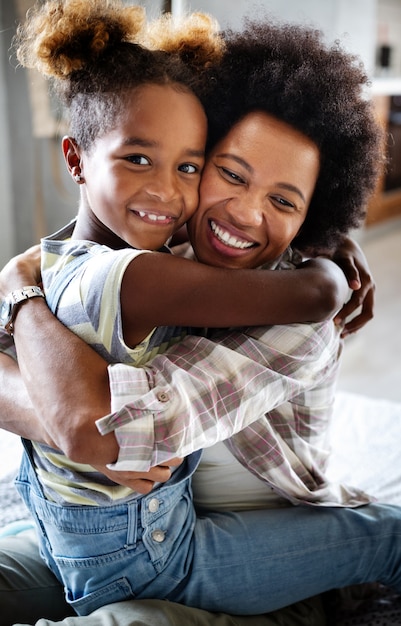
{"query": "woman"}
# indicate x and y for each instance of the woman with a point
(312, 149)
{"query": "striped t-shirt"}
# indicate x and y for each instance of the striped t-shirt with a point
(89, 304)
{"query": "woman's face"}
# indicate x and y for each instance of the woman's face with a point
(254, 195)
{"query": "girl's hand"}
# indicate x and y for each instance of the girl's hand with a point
(359, 308)
(141, 482)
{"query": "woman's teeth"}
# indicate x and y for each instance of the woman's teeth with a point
(229, 240)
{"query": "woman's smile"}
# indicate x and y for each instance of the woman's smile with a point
(255, 192)
(226, 235)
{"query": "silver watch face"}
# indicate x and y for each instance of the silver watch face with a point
(5, 312)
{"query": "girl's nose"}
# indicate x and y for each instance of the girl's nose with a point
(163, 186)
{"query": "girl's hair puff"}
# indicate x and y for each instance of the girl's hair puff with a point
(62, 36)
(196, 37)
(94, 51)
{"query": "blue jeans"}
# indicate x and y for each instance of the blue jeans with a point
(242, 563)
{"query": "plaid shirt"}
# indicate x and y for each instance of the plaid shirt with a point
(268, 392)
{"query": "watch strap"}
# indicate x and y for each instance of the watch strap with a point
(26, 292)
(17, 297)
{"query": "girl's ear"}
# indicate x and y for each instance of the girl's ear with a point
(72, 158)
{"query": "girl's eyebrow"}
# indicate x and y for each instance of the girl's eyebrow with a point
(147, 143)
(250, 169)
(139, 141)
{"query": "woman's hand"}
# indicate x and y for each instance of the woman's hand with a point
(141, 482)
(20, 271)
(352, 260)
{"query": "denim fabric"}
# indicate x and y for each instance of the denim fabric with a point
(242, 563)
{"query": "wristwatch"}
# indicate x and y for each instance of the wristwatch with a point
(12, 302)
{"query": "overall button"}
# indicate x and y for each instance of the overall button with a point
(153, 505)
(158, 535)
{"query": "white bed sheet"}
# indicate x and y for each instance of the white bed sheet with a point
(10, 454)
(366, 438)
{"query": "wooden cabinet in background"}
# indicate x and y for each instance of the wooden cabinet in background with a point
(385, 203)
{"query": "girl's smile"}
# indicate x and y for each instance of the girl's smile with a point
(154, 217)
(142, 177)
(254, 195)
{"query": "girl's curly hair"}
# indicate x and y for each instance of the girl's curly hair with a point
(287, 71)
(97, 51)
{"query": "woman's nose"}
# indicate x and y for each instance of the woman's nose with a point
(246, 211)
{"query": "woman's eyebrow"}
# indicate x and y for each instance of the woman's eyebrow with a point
(237, 159)
(249, 168)
(293, 188)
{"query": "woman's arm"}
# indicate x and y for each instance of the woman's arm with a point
(62, 372)
(56, 371)
(17, 414)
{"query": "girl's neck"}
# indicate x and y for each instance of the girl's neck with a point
(90, 228)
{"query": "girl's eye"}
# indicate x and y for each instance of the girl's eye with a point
(231, 176)
(188, 168)
(138, 159)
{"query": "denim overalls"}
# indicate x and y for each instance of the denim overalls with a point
(103, 554)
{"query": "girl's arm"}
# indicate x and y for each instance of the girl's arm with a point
(359, 308)
(164, 290)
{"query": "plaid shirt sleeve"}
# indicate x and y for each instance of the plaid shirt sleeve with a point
(7, 344)
(202, 391)
(268, 393)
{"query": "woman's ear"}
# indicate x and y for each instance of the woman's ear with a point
(72, 158)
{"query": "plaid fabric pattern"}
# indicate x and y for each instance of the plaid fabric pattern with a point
(268, 391)
(7, 344)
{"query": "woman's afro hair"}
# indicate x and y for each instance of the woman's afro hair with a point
(288, 72)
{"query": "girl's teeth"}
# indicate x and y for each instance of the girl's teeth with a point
(152, 216)
(228, 239)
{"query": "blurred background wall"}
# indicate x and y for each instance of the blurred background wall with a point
(37, 196)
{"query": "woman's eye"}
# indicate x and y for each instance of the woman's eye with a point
(230, 175)
(284, 204)
(138, 159)
(188, 168)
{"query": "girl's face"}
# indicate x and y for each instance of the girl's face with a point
(254, 195)
(142, 178)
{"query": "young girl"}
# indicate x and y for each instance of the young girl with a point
(126, 268)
